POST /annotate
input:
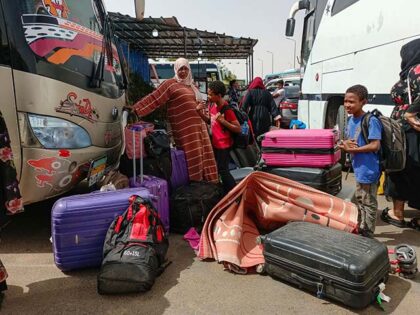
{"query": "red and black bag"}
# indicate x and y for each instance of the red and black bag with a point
(134, 250)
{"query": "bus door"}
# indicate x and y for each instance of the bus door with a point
(7, 96)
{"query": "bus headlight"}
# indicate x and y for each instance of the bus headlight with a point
(56, 133)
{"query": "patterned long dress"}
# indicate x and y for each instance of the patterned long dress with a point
(404, 185)
(189, 130)
(10, 199)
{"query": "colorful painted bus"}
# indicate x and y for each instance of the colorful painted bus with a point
(62, 92)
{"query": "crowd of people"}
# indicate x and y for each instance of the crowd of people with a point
(205, 130)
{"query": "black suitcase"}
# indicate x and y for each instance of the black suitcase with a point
(245, 157)
(324, 179)
(240, 173)
(338, 265)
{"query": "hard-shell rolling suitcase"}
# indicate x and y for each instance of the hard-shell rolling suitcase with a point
(157, 186)
(334, 264)
(301, 147)
(328, 180)
(79, 224)
(240, 173)
(179, 175)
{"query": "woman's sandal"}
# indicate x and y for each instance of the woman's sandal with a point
(386, 218)
(414, 224)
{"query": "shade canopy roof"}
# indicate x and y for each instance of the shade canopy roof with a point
(173, 40)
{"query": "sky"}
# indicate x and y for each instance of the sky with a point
(264, 20)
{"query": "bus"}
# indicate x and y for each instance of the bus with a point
(203, 72)
(348, 42)
(62, 90)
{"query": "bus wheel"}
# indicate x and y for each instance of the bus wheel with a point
(342, 124)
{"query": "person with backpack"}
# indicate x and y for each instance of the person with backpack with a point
(365, 157)
(403, 186)
(261, 108)
(223, 124)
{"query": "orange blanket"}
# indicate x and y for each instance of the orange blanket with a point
(261, 203)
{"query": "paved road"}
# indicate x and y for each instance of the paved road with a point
(188, 286)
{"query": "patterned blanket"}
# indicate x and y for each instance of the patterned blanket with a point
(261, 203)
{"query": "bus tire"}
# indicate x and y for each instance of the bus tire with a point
(342, 125)
(337, 116)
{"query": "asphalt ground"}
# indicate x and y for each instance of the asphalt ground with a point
(188, 286)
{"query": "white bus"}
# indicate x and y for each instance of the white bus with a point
(203, 72)
(347, 42)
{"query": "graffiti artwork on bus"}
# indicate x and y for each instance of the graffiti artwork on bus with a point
(78, 107)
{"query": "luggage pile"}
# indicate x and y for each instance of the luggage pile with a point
(308, 156)
(100, 227)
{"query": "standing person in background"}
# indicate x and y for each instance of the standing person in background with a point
(279, 93)
(223, 123)
(404, 186)
(233, 92)
(189, 131)
(10, 199)
(261, 108)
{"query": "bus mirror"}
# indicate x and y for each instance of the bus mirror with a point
(139, 7)
(290, 27)
(304, 4)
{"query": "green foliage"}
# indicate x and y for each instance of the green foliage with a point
(137, 88)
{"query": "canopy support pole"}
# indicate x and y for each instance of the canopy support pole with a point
(185, 43)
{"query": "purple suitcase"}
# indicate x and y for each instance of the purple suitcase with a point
(157, 186)
(179, 175)
(79, 224)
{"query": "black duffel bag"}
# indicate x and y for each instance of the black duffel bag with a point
(134, 250)
(191, 204)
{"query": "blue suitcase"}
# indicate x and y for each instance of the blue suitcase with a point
(79, 224)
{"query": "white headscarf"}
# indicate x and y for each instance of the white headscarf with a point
(188, 81)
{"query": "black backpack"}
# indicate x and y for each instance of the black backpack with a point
(393, 144)
(134, 250)
(191, 204)
(240, 140)
(158, 147)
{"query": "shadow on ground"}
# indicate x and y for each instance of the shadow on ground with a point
(76, 291)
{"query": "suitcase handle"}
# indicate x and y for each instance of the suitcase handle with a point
(303, 280)
(319, 285)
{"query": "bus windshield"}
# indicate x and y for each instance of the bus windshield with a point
(202, 71)
(67, 39)
(310, 27)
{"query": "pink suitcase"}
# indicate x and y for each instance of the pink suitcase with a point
(301, 147)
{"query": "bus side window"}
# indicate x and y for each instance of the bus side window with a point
(341, 5)
(4, 44)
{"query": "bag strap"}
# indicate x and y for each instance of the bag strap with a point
(364, 127)
(410, 99)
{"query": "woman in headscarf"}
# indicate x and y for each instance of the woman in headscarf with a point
(261, 108)
(404, 186)
(189, 130)
(10, 198)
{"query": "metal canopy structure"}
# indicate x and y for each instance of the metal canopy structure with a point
(166, 38)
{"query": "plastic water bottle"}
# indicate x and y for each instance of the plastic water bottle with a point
(245, 128)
